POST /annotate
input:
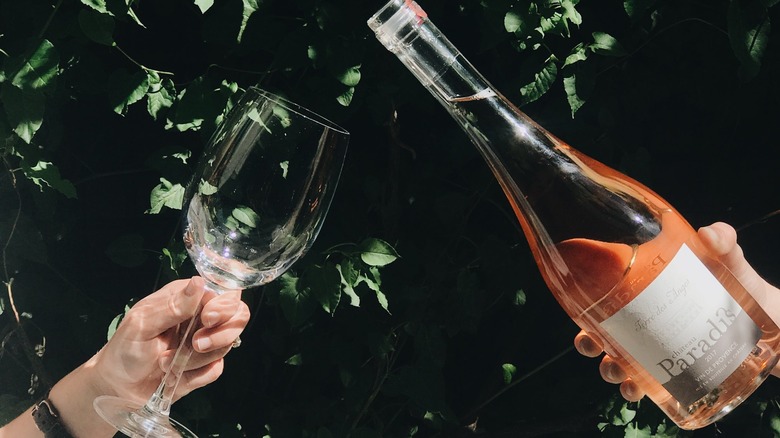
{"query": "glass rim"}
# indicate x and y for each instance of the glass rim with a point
(298, 109)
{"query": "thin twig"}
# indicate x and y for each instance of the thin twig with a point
(49, 19)
(12, 231)
(659, 33)
(8, 289)
(143, 67)
(27, 345)
(382, 375)
(518, 381)
(760, 220)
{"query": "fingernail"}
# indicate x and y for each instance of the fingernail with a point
(708, 233)
(165, 363)
(629, 391)
(609, 373)
(204, 344)
(190, 289)
(614, 373)
(586, 347)
(210, 319)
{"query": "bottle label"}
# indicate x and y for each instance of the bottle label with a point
(685, 329)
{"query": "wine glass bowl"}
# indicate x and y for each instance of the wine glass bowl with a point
(263, 193)
(255, 205)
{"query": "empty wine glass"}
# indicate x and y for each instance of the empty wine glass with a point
(256, 203)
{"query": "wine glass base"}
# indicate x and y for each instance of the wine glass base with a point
(137, 421)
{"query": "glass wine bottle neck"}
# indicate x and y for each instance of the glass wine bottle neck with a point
(538, 173)
(404, 29)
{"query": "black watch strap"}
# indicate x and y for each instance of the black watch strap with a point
(48, 420)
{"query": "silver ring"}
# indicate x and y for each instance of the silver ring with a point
(236, 343)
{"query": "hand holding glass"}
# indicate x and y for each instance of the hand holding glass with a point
(255, 205)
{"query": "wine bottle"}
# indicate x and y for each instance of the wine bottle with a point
(619, 259)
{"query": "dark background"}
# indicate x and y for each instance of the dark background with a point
(672, 112)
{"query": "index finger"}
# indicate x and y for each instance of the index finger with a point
(171, 305)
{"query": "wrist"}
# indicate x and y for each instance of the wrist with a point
(47, 420)
(73, 396)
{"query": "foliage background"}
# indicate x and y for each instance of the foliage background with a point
(100, 99)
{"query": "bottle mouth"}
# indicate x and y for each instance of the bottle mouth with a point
(397, 22)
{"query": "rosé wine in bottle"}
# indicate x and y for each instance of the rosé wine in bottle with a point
(621, 261)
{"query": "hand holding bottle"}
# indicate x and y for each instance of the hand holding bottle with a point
(721, 239)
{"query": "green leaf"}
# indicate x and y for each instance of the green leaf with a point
(577, 54)
(605, 44)
(200, 105)
(541, 84)
(249, 8)
(186, 116)
(381, 298)
(623, 415)
(633, 430)
(166, 194)
(283, 115)
(115, 323)
(295, 301)
(204, 5)
(553, 25)
(575, 100)
(38, 69)
(160, 95)
(325, 281)
(246, 216)
(377, 252)
(509, 371)
(24, 110)
(579, 86)
(131, 13)
(748, 28)
(182, 156)
(570, 13)
(97, 27)
(349, 279)
(350, 77)
(126, 89)
(635, 8)
(520, 298)
(175, 258)
(46, 174)
(345, 98)
(295, 360)
(374, 282)
(254, 115)
(205, 188)
(114, 8)
(98, 5)
(513, 22)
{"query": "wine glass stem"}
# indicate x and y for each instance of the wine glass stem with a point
(160, 402)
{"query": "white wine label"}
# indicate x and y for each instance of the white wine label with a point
(685, 329)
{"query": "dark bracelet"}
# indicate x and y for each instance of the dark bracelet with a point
(47, 419)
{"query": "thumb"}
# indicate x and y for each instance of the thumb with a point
(719, 237)
(173, 304)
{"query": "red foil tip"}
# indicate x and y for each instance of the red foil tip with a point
(418, 11)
